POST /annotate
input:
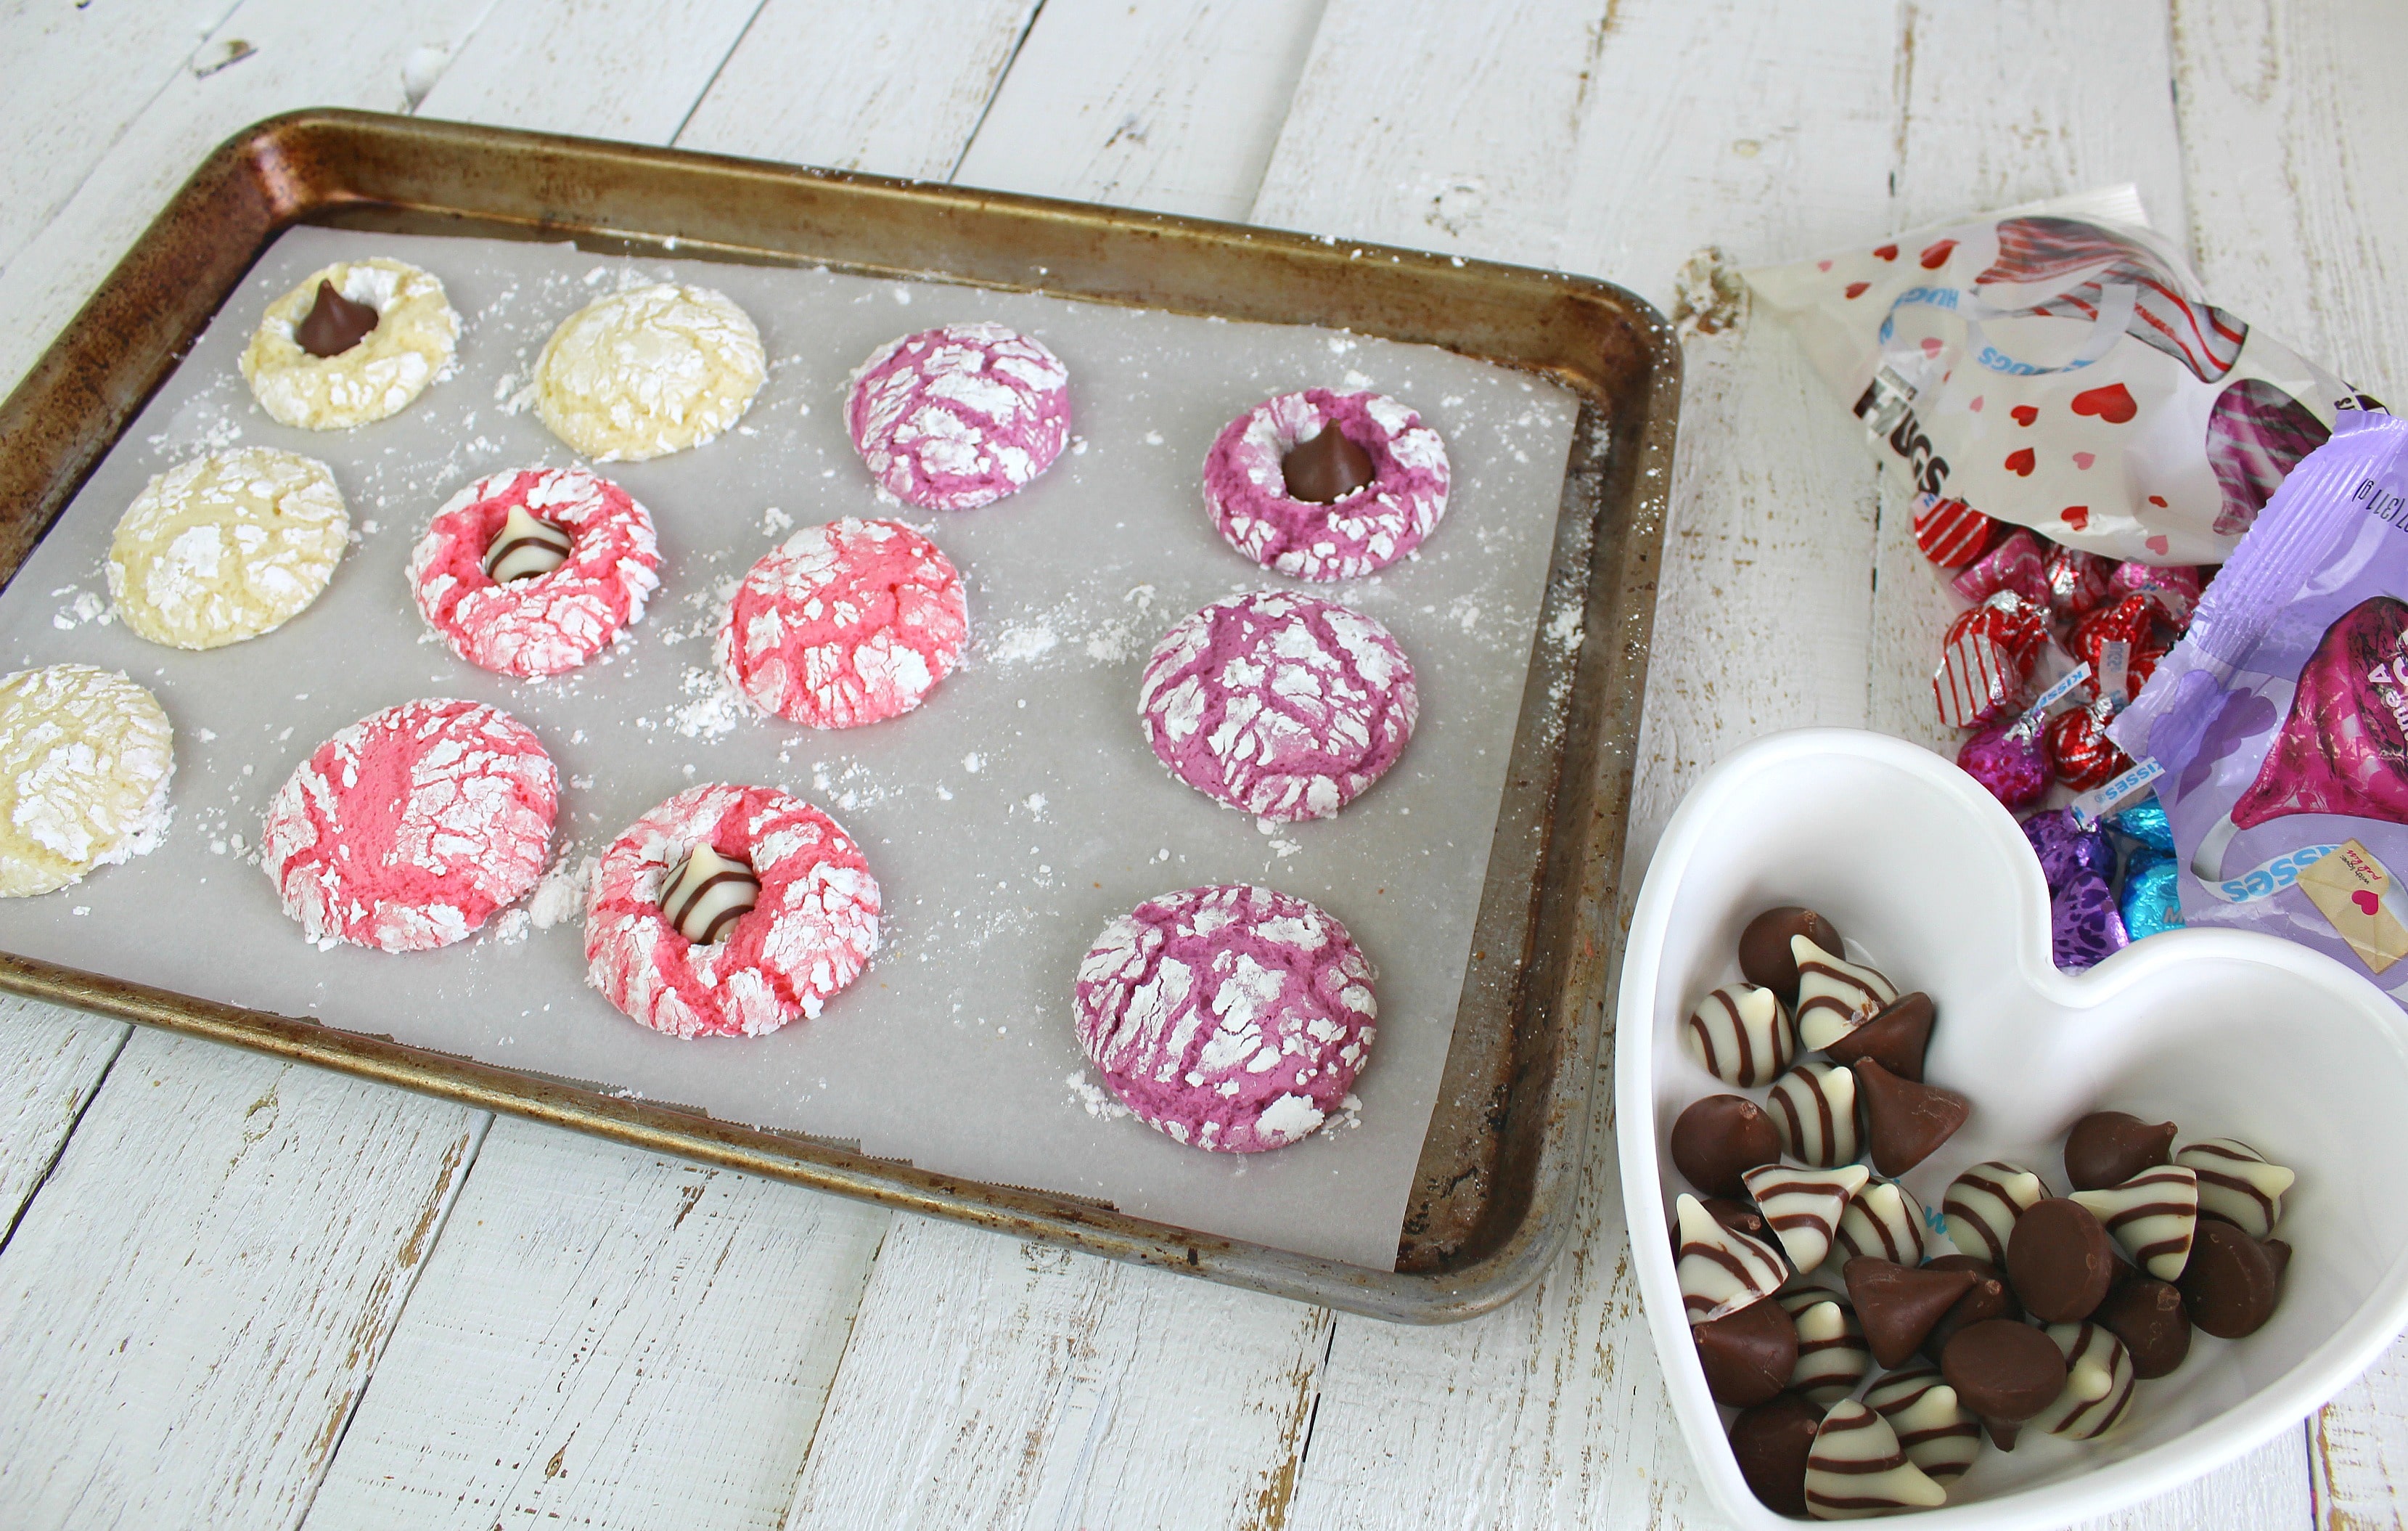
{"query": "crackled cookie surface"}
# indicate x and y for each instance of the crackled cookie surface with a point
(85, 754)
(550, 621)
(1360, 532)
(847, 623)
(959, 416)
(226, 546)
(649, 371)
(1232, 1017)
(812, 926)
(408, 828)
(377, 373)
(1287, 706)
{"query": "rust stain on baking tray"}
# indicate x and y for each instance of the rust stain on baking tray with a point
(1494, 1191)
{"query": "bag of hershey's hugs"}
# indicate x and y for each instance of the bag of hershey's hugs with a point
(2059, 366)
(2280, 721)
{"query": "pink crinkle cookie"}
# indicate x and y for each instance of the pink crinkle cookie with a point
(847, 624)
(1287, 706)
(960, 416)
(1359, 534)
(1232, 1017)
(407, 829)
(551, 622)
(810, 933)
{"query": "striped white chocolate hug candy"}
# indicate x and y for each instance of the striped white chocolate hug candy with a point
(1983, 1204)
(2235, 1183)
(1802, 1207)
(706, 893)
(1857, 1468)
(1835, 996)
(1832, 1355)
(1938, 1433)
(1814, 1107)
(1721, 1269)
(2153, 1215)
(525, 548)
(2099, 1383)
(1882, 1222)
(1740, 1034)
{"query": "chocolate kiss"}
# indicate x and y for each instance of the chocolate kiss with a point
(2004, 1371)
(2147, 1315)
(334, 324)
(1327, 469)
(1765, 954)
(1739, 1217)
(1905, 1120)
(1896, 1038)
(2230, 1281)
(2061, 1261)
(1988, 1297)
(1721, 1137)
(1771, 1443)
(1897, 1305)
(2106, 1148)
(2342, 748)
(1748, 1355)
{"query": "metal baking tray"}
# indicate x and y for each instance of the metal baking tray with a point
(1499, 1167)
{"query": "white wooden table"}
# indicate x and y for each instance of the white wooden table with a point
(235, 1294)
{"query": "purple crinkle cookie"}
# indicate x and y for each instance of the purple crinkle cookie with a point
(1360, 535)
(959, 416)
(2065, 850)
(1233, 1019)
(2085, 925)
(1286, 706)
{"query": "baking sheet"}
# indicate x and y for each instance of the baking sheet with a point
(1007, 820)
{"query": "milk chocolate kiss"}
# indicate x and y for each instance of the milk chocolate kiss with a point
(2108, 1147)
(1771, 1442)
(1327, 469)
(1764, 953)
(1718, 1139)
(1896, 1038)
(2147, 1315)
(334, 324)
(2005, 1372)
(1748, 1356)
(2061, 1261)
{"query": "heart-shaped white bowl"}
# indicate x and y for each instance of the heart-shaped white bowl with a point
(2229, 1034)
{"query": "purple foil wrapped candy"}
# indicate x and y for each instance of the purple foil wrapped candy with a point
(2066, 851)
(2009, 761)
(2085, 923)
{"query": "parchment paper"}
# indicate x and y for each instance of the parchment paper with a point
(1006, 820)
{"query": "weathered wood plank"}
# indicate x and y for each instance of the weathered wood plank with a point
(628, 70)
(893, 89)
(190, 1308)
(52, 1060)
(607, 1338)
(1171, 107)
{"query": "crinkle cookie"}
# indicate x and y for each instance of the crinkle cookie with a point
(226, 546)
(1403, 485)
(1232, 1017)
(649, 371)
(812, 929)
(848, 622)
(408, 828)
(534, 571)
(85, 754)
(310, 363)
(1283, 705)
(959, 416)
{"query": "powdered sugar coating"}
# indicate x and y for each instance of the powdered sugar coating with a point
(1232, 1017)
(1283, 705)
(811, 931)
(407, 829)
(226, 546)
(552, 622)
(85, 757)
(959, 416)
(649, 371)
(414, 340)
(847, 623)
(1360, 535)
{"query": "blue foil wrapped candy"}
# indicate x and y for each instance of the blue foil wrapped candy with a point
(2151, 900)
(2065, 850)
(2145, 821)
(2083, 921)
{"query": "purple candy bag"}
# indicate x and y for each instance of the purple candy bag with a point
(2281, 719)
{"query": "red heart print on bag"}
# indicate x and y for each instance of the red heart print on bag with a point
(2367, 903)
(2075, 516)
(2158, 544)
(1935, 256)
(2113, 403)
(2025, 415)
(2083, 459)
(1857, 288)
(1822, 266)
(1887, 253)
(2020, 461)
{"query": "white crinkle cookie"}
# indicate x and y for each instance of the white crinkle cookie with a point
(648, 372)
(226, 546)
(85, 754)
(412, 344)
